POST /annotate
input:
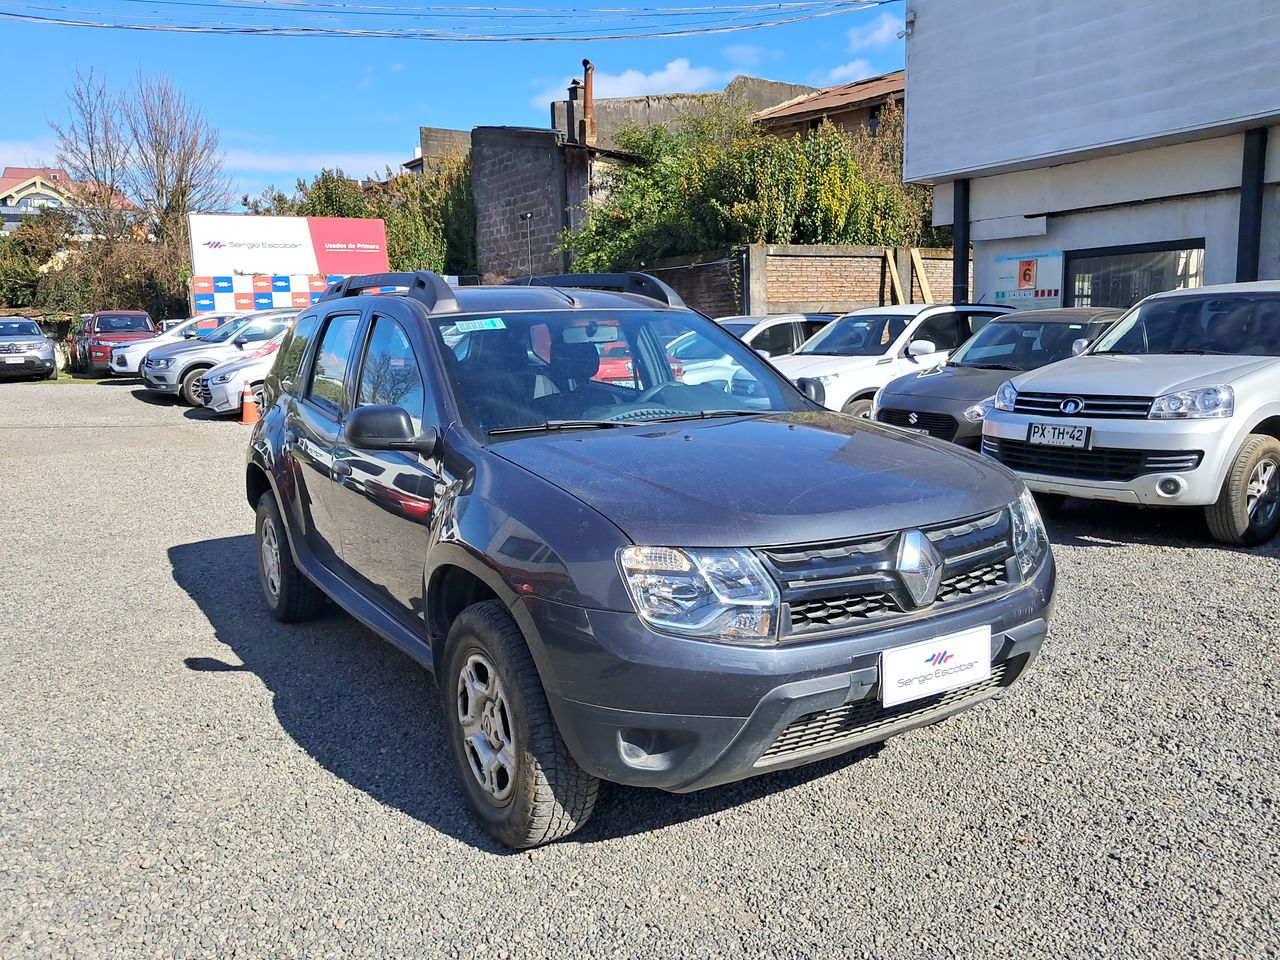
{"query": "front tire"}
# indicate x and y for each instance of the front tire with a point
(858, 408)
(190, 383)
(1248, 509)
(291, 597)
(519, 779)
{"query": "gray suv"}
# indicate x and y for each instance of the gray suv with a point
(176, 368)
(25, 351)
(657, 583)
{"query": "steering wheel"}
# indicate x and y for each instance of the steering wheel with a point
(646, 395)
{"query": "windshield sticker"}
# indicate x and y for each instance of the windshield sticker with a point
(473, 326)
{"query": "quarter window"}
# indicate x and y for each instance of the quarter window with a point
(390, 373)
(333, 356)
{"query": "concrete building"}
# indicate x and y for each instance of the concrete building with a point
(1096, 152)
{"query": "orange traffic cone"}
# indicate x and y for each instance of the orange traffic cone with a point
(248, 406)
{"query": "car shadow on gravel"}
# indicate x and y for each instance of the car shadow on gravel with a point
(1097, 523)
(368, 714)
(153, 398)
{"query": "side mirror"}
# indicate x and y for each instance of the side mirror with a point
(764, 353)
(812, 389)
(920, 348)
(240, 341)
(190, 334)
(387, 427)
(1080, 346)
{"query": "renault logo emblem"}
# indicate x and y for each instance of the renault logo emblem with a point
(919, 566)
(913, 418)
(1071, 406)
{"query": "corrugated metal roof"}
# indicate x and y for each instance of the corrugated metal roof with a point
(836, 99)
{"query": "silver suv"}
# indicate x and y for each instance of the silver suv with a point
(176, 368)
(1178, 404)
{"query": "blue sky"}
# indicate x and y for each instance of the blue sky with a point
(288, 106)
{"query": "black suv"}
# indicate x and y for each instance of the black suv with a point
(647, 581)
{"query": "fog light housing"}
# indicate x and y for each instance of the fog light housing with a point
(1169, 486)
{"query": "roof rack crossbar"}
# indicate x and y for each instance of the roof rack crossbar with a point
(429, 289)
(642, 284)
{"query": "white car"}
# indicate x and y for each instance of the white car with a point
(855, 355)
(777, 335)
(1176, 405)
(126, 359)
(221, 389)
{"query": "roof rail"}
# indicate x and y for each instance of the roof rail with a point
(638, 283)
(429, 289)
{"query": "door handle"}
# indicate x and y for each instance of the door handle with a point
(341, 469)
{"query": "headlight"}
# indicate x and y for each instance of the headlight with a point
(1205, 403)
(826, 378)
(34, 346)
(96, 343)
(978, 412)
(161, 364)
(221, 378)
(1006, 396)
(1030, 541)
(721, 595)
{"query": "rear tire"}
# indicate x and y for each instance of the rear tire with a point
(291, 597)
(858, 408)
(520, 782)
(1248, 509)
(187, 391)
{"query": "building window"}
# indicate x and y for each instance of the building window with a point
(1121, 276)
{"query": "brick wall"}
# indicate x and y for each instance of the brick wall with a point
(937, 270)
(709, 282)
(516, 171)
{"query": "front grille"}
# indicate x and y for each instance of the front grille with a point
(1050, 405)
(938, 425)
(1100, 463)
(829, 729)
(851, 584)
(9, 348)
(204, 393)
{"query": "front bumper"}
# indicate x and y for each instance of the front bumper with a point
(26, 364)
(123, 364)
(161, 381)
(1213, 440)
(646, 709)
(221, 397)
(939, 418)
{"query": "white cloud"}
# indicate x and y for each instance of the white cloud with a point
(28, 153)
(846, 73)
(396, 67)
(353, 164)
(880, 32)
(678, 76)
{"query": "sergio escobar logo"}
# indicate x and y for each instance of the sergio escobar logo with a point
(942, 667)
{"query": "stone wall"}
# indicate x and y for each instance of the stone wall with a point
(517, 171)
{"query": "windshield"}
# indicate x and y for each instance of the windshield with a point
(125, 323)
(20, 328)
(554, 369)
(856, 335)
(232, 327)
(1246, 324)
(1023, 344)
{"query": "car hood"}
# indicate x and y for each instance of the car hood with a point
(185, 346)
(1137, 376)
(124, 336)
(154, 343)
(246, 366)
(963, 384)
(773, 479)
(26, 338)
(798, 365)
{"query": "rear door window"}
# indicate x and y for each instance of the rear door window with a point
(333, 357)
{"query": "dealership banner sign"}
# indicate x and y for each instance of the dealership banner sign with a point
(234, 245)
(240, 294)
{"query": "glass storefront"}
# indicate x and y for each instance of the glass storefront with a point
(1121, 276)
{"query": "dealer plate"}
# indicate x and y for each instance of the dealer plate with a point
(935, 666)
(1058, 435)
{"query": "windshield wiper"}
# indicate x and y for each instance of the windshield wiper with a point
(559, 425)
(1200, 351)
(983, 366)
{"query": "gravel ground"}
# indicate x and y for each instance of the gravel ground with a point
(182, 777)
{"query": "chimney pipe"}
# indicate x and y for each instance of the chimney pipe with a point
(587, 131)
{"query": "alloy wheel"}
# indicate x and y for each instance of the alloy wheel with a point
(1262, 495)
(485, 719)
(270, 549)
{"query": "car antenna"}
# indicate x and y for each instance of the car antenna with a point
(529, 275)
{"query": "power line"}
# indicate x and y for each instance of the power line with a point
(326, 18)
